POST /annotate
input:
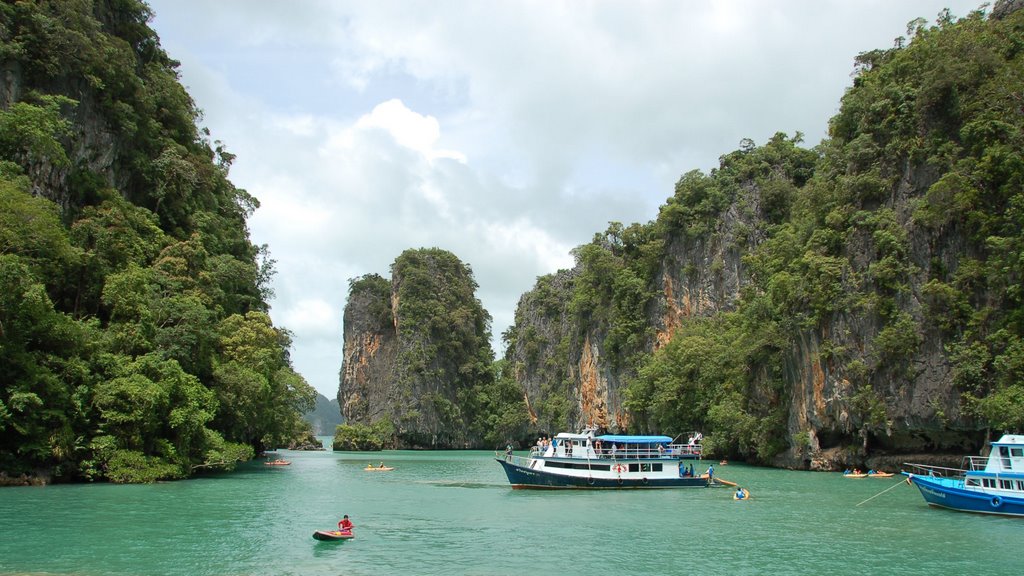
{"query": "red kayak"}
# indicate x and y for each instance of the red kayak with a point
(333, 535)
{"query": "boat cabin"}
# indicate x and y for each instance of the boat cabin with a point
(586, 446)
(1007, 454)
(1002, 471)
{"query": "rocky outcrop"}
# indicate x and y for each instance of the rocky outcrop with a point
(415, 350)
(369, 363)
(567, 383)
(1004, 8)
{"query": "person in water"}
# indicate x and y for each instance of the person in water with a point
(345, 525)
(740, 494)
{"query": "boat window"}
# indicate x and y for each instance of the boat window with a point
(577, 466)
(645, 467)
(634, 467)
(973, 482)
(1020, 485)
(656, 467)
(1006, 484)
(988, 482)
(1004, 453)
(1017, 452)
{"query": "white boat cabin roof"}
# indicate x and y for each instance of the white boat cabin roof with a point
(1010, 439)
(571, 436)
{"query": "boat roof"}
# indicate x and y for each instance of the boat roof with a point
(1010, 439)
(572, 436)
(635, 439)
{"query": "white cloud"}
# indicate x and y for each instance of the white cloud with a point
(312, 317)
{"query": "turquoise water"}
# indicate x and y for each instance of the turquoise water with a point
(453, 513)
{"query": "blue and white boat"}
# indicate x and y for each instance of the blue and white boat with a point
(992, 484)
(588, 461)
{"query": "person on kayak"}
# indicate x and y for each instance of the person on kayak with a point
(345, 525)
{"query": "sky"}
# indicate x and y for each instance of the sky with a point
(506, 132)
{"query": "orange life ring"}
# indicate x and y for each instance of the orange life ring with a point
(619, 468)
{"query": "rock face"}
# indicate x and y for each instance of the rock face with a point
(415, 350)
(570, 382)
(369, 365)
(576, 389)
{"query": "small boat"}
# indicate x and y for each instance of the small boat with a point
(857, 475)
(277, 463)
(589, 461)
(992, 484)
(379, 468)
(331, 535)
(873, 474)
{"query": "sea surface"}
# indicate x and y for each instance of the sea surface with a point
(454, 513)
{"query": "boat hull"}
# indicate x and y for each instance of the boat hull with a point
(945, 493)
(332, 535)
(521, 477)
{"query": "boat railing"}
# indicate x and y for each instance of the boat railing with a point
(687, 451)
(515, 459)
(934, 471)
(633, 452)
(975, 462)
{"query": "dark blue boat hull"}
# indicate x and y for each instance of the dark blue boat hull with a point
(521, 477)
(954, 498)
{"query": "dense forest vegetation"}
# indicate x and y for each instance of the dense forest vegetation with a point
(886, 262)
(135, 342)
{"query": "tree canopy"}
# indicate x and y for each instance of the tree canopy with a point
(135, 343)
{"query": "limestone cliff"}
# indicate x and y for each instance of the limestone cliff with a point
(869, 284)
(417, 352)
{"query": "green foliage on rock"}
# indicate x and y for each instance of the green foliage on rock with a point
(363, 437)
(134, 341)
(887, 255)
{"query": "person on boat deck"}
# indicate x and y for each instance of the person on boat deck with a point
(711, 471)
(508, 452)
(381, 465)
(345, 525)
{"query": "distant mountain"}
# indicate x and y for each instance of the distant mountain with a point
(325, 416)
